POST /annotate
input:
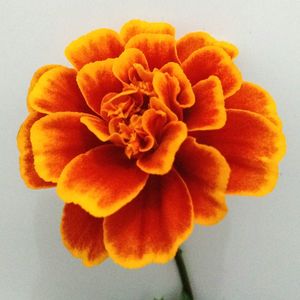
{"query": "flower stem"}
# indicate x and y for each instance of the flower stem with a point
(186, 286)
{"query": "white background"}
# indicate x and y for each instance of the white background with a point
(253, 254)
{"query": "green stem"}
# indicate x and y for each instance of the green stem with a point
(186, 286)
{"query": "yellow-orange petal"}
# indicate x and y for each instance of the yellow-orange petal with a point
(27, 169)
(253, 146)
(125, 62)
(97, 126)
(159, 105)
(101, 180)
(254, 98)
(186, 97)
(206, 173)
(160, 160)
(97, 45)
(213, 60)
(35, 78)
(151, 227)
(159, 49)
(95, 80)
(56, 91)
(209, 110)
(196, 40)
(167, 90)
(56, 139)
(82, 234)
(135, 27)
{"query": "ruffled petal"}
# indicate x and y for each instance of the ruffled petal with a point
(196, 40)
(97, 126)
(213, 60)
(186, 97)
(167, 90)
(95, 80)
(56, 90)
(209, 110)
(27, 169)
(159, 49)
(160, 160)
(151, 227)
(35, 78)
(125, 62)
(254, 98)
(94, 46)
(82, 234)
(253, 146)
(101, 180)
(135, 27)
(56, 139)
(206, 173)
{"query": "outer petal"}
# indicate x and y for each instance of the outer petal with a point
(150, 228)
(56, 91)
(213, 60)
(82, 235)
(160, 161)
(101, 181)
(252, 146)
(196, 40)
(206, 173)
(27, 170)
(254, 98)
(56, 139)
(125, 62)
(159, 49)
(95, 80)
(96, 45)
(135, 27)
(35, 78)
(209, 109)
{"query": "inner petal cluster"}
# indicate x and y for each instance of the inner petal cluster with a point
(128, 113)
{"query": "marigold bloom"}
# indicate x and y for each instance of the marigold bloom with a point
(144, 137)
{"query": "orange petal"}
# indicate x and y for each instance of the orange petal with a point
(209, 61)
(151, 227)
(252, 146)
(35, 78)
(82, 235)
(206, 173)
(101, 180)
(186, 97)
(56, 91)
(159, 49)
(167, 89)
(160, 161)
(96, 45)
(95, 80)
(27, 170)
(254, 98)
(135, 27)
(97, 126)
(56, 139)
(159, 105)
(196, 40)
(209, 109)
(125, 62)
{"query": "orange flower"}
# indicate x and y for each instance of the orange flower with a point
(144, 137)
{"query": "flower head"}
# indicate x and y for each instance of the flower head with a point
(144, 137)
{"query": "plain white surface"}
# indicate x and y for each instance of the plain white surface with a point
(253, 254)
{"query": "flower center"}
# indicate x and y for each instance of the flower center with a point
(124, 113)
